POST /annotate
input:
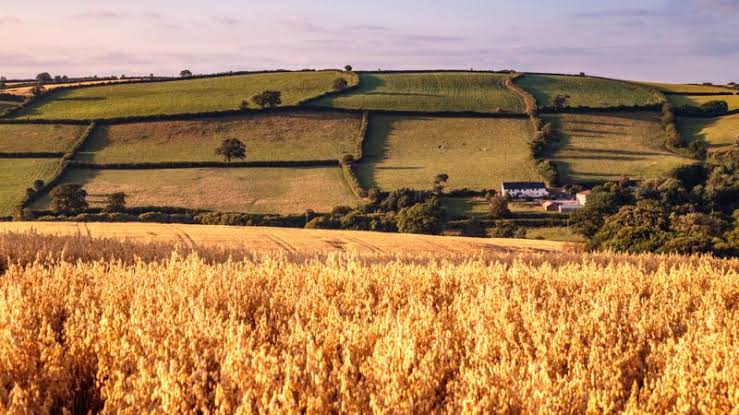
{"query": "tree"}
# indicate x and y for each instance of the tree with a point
(560, 101)
(499, 207)
(68, 199)
(602, 201)
(232, 148)
(348, 68)
(38, 185)
(38, 90)
(340, 84)
(268, 99)
(425, 218)
(115, 202)
(244, 105)
(440, 182)
(185, 73)
(635, 228)
(44, 77)
(508, 230)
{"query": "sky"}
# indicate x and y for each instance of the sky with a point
(650, 40)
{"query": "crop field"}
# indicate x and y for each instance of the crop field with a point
(26, 90)
(156, 331)
(597, 147)
(477, 153)
(689, 88)
(27, 138)
(480, 92)
(295, 136)
(584, 91)
(175, 97)
(16, 175)
(721, 134)
(248, 190)
(697, 100)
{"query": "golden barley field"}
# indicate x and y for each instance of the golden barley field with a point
(137, 328)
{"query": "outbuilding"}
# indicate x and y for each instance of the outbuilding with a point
(519, 190)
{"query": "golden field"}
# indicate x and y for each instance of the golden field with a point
(149, 331)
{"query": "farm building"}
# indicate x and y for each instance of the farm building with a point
(569, 207)
(550, 206)
(524, 189)
(582, 197)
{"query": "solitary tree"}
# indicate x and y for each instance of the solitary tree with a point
(68, 199)
(185, 73)
(560, 101)
(268, 99)
(340, 84)
(348, 68)
(232, 148)
(115, 202)
(440, 182)
(44, 77)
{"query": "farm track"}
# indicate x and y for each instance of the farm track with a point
(265, 240)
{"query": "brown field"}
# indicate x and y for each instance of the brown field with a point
(28, 138)
(249, 190)
(265, 239)
(26, 90)
(364, 333)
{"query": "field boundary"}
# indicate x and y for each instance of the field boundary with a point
(32, 155)
(700, 94)
(308, 101)
(204, 164)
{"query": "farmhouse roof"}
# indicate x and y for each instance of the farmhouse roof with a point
(523, 185)
(584, 192)
(549, 203)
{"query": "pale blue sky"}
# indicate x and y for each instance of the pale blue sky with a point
(670, 40)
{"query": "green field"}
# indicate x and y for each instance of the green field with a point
(16, 175)
(477, 153)
(554, 233)
(688, 88)
(598, 147)
(585, 91)
(448, 91)
(250, 190)
(184, 96)
(467, 207)
(295, 136)
(27, 138)
(721, 134)
(697, 100)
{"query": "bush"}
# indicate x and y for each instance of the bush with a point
(508, 230)
(424, 218)
(268, 99)
(68, 199)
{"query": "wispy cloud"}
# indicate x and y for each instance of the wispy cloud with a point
(9, 19)
(225, 20)
(600, 14)
(367, 28)
(99, 15)
(430, 38)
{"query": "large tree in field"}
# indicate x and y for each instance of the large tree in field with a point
(268, 99)
(115, 202)
(232, 148)
(68, 199)
(44, 77)
(185, 73)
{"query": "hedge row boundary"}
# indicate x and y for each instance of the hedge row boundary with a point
(701, 94)
(31, 155)
(204, 164)
(64, 163)
(356, 84)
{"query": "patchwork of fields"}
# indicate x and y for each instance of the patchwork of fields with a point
(16, 175)
(476, 153)
(598, 147)
(40, 138)
(689, 88)
(176, 97)
(268, 137)
(252, 190)
(721, 134)
(443, 91)
(584, 91)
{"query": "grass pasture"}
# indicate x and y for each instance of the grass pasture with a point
(476, 153)
(443, 91)
(585, 91)
(26, 90)
(248, 190)
(698, 100)
(182, 96)
(721, 133)
(688, 88)
(294, 136)
(598, 147)
(28, 138)
(16, 175)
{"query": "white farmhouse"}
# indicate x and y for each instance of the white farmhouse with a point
(519, 190)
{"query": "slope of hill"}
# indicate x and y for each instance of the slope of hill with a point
(585, 91)
(182, 96)
(38, 138)
(732, 101)
(17, 175)
(721, 134)
(442, 91)
(689, 88)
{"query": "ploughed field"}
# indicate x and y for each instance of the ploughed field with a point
(585, 91)
(250, 190)
(16, 175)
(595, 147)
(268, 137)
(177, 97)
(441, 91)
(476, 153)
(38, 138)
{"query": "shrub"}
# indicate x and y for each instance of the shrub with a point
(340, 84)
(508, 230)
(115, 202)
(268, 99)
(425, 218)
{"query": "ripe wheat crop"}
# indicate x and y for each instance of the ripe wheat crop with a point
(151, 331)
